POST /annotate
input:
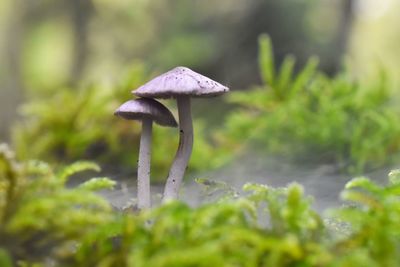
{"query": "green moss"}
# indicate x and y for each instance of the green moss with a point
(43, 222)
(341, 120)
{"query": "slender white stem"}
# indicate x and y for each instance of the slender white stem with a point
(184, 151)
(143, 186)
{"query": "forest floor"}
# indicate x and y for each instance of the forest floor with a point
(321, 182)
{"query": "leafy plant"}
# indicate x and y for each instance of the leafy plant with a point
(40, 218)
(262, 226)
(341, 120)
(228, 232)
(373, 213)
(42, 223)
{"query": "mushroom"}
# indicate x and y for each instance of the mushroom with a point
(146, 110)
(181, 83)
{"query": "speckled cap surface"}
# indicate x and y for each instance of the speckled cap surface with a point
(180, 81)
(142, 108)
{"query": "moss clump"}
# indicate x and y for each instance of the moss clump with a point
(47, 224)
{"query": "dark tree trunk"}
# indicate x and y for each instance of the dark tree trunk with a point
(344, 30)
(81, 11)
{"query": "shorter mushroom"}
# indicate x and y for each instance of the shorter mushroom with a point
(146, 110)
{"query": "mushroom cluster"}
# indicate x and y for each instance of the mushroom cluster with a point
(180, 83)
(148, 111)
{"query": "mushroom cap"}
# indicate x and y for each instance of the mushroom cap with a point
(146, 108)
(180, 81)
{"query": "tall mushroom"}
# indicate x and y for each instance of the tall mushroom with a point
(146, 110)
(181, 83)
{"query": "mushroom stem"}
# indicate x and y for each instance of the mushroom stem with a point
(184, 151)
(143, 185)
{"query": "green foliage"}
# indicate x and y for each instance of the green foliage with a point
(5, 260)
(261, 227)
(39, 216)
(282, 83)
(230, 232)
(43, 222)
(373, 213)
(339, 119)
(65, 124)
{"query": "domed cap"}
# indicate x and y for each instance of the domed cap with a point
(180, 81)
(145, 108)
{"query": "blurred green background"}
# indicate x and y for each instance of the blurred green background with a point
(66, 65)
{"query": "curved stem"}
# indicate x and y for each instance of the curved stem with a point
(184, 151)
(143, 186)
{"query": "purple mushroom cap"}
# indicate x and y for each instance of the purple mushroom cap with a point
(180, 81)
(146, 108)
